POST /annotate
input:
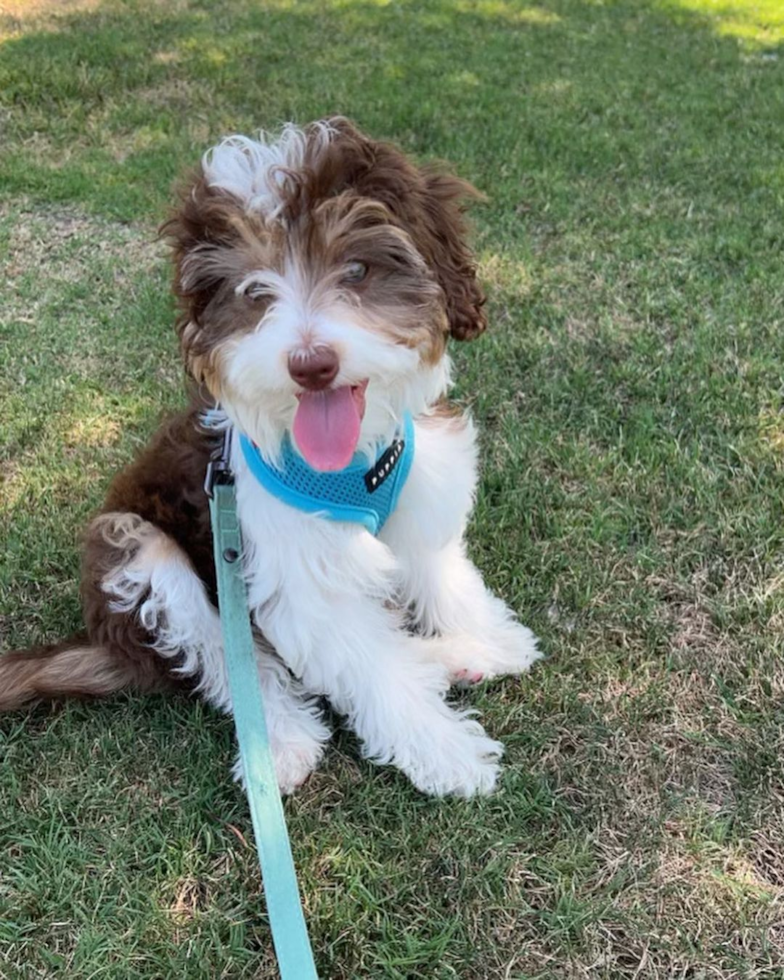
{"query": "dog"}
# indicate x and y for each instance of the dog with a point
(319, 275)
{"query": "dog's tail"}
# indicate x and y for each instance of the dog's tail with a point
(73, 668)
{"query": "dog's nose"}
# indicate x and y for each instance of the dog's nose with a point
(316, 369)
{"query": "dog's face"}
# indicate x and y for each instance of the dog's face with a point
(319, 277)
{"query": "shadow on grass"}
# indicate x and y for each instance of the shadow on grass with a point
(521, 97)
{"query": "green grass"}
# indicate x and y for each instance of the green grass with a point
(631, 509)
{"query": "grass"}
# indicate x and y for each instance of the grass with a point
(630, 397)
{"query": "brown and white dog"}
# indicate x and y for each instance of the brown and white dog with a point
(319, 276)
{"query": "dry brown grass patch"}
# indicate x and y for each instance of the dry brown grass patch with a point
(51, 248)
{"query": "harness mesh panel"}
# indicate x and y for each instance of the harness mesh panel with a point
(295, 482)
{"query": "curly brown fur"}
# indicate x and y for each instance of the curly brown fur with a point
(359, 183)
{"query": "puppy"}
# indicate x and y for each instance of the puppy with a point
(319, 276)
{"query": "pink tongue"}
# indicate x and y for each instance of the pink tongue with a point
(326, 427)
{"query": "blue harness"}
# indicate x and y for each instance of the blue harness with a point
(355, 494)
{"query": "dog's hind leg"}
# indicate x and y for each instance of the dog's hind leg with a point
(142, 593)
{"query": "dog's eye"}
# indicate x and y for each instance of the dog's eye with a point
(256, 292)
(355, 272)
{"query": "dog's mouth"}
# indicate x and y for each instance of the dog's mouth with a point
(326, 425)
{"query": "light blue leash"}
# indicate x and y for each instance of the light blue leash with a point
(289, 932)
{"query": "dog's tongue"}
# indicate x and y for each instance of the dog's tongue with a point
(326, 427)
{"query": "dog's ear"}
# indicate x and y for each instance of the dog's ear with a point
(201, 231)
(450, 257)
(198, 225)
(429, 203)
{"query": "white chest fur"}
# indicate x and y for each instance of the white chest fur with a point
(338, 606)
(310, 564)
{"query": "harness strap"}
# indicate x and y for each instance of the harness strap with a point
(361, 493)
(289, 932)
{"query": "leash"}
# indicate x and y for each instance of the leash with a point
(289, 932)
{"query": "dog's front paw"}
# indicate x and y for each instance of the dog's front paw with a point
(507, 649)
(511, 649)
(467, 764)
(293, 764)
(465, 677)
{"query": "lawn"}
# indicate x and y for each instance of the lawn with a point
(630, 396)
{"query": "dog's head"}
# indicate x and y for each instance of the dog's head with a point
(319, 276)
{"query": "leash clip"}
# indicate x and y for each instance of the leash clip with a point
(218, 469)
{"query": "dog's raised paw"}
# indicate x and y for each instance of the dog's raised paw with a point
(466, 677)
(512, 650)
